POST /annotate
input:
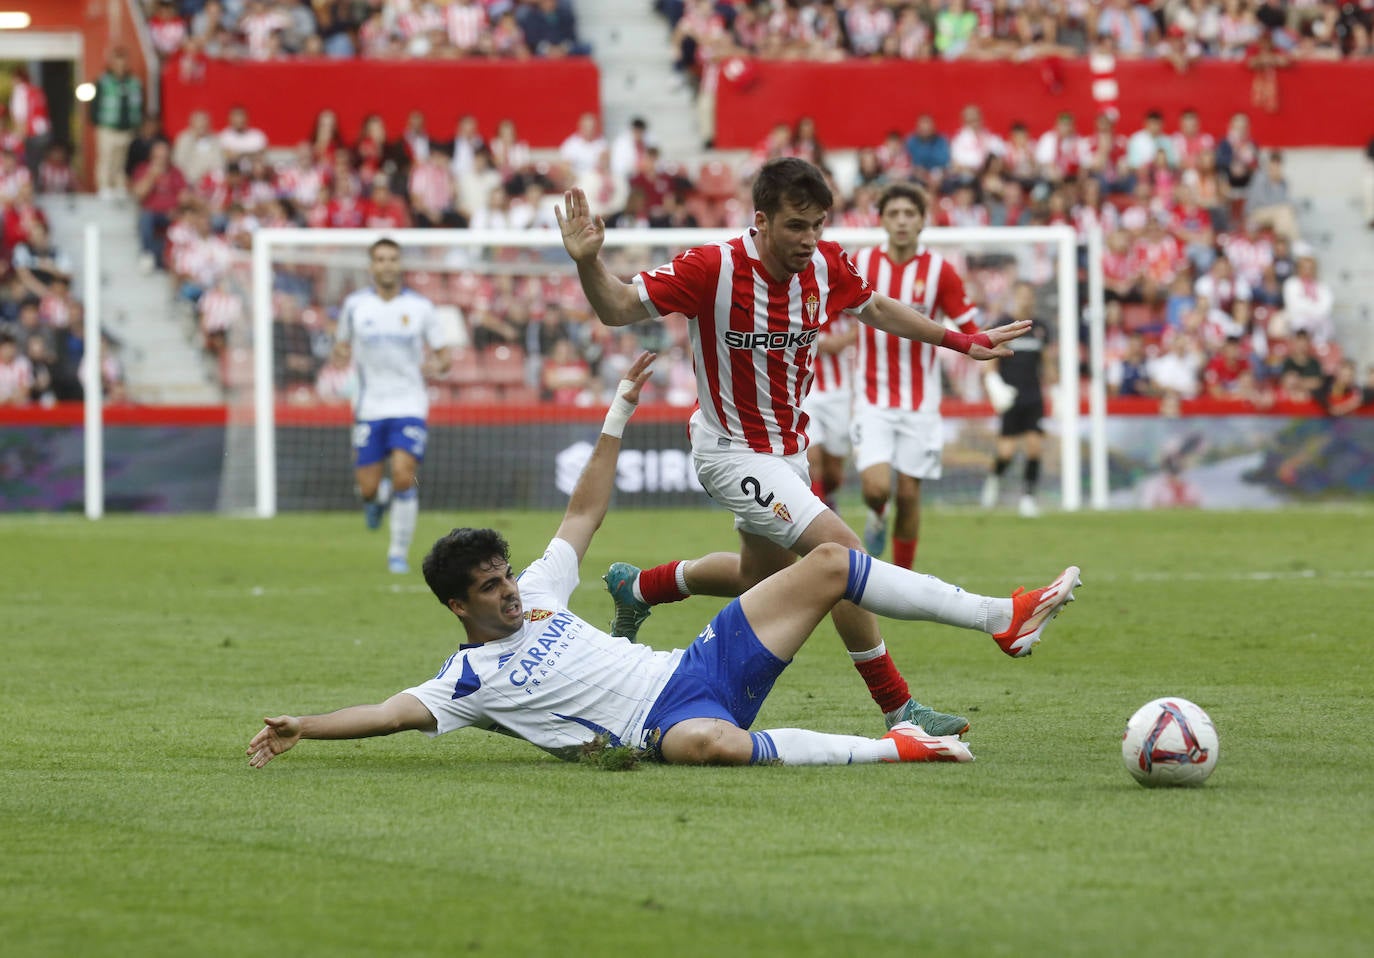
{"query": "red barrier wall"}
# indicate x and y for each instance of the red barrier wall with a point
(72, 414)
(857, 103)
(544, 98)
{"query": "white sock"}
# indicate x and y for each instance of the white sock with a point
(405, 507)
(799, 746)
(383, 495)
(898, 593)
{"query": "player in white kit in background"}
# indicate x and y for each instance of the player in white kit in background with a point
(396, 342)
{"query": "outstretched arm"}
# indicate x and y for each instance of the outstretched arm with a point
(615, 302)
(891, 316)
(399, 713)
(592, 494)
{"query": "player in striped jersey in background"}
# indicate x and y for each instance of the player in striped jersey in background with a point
(897, 425)
(829, 405)
(755, 306)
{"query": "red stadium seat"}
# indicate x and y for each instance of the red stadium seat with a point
(503, 367)
(1136, 316)
(478, 393)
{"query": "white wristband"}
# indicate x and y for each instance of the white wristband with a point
(620, 412)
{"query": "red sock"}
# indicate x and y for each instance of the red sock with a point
(904, 552)
(818, 489)
(885, 683)
(659, 584)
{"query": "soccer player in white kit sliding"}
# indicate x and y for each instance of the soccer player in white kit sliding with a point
(532, 668)
(396, 342)
(755, 305)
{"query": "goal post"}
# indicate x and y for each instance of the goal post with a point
(93, 395)
(1053, 250)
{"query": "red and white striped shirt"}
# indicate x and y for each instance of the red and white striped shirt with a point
(753, 336)
(220, 309)
(897, 373)
(834, 372)
(419, 21)
(12, 182)
(168, 33)
(300, 185)
(467, 24)
(257, 29)
(431, 187)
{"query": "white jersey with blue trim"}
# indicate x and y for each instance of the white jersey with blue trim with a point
(560, 681)
(388, 337)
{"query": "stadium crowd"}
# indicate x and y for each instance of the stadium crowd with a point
(188, 31)
(707, 31)
(1211, 290)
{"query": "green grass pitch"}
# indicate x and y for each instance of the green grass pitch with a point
(140, 655)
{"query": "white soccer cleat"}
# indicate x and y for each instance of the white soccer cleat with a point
(992, 490)
(875, 534)
(914, 745)
(1027, 508)
(1032, 612)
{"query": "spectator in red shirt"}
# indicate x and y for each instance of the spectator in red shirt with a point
(158, 186)
(21, 215)
(385, 210)
(1225, 371)
(347, 209)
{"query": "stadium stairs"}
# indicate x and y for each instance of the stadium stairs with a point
(630, 44)
(157, 336)
(1327, 186)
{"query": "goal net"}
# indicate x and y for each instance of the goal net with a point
(533, 370)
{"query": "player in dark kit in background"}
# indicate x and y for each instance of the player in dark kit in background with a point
(1021, 421)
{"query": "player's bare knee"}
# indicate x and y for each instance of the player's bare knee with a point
(707, 742)
(830, 560)
(874, 494)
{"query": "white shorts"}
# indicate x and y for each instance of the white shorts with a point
(911, 442)
(770, 495)
(829, 426)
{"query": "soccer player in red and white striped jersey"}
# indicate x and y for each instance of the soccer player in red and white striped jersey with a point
(897, 423)
(829, 405)
(755, 305)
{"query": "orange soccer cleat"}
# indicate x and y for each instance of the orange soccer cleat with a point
(1032, 612)
(914, 745)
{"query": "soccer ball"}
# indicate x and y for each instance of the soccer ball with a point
(1169, 741)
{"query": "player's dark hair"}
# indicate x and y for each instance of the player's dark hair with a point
(381, 243)
(904, 191)
(790, 179)
(450, 564)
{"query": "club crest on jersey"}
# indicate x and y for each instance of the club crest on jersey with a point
(812, 306)
(537, 615)
(405, 320)
(918, 292)
(780, 510)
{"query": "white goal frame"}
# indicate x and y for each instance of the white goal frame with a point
(1066, 406)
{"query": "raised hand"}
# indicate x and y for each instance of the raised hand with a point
(1000, 335)
(583, 233)
(638, 375)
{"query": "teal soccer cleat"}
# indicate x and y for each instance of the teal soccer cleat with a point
(630, 612)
